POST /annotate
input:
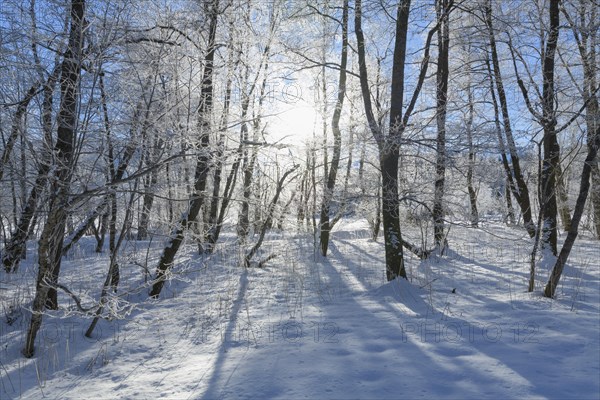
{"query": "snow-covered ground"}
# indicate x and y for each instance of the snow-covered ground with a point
(312, 327)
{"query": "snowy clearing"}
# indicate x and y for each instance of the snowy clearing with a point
(312, 327)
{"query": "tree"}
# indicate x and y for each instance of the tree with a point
(16, 128)
(202, 160)
(389, 145)
(551, 147)
(584, 189)
(519, 186)
(548, 121)
(585, 33)
(154, 146)
(50, 244)
(267, 222)
(442, 73)
(471, 161)
(325, 224)
(510, 185)
(590, 165)
(248, 146)
(17, 243)
(215, 217)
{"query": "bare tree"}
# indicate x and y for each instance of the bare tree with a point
(519, 187)
(249, 151)
(17, 243)
(443, 35)
(325, 225)
(203, 158)
(590, 165)
(585, 31)
(50, 245)
(215, 218)
(17, 126)
(548, 120)
(471, 160)
(389, 145)
(267, 222)
(584, 189)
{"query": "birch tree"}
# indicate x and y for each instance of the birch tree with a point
(443, 36)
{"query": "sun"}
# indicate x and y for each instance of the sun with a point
(297, 122)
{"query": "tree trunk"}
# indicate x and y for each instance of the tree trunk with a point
(110, 161)
(510, 186)
(148, 157)
(269, 218)
(394, 253)
(344, 196)
(376, 225)
(215, 224)
(551, 148)
(130, 150)
(16, 127)
(302, 202)
(510, 212)
(337, 138)
(471, 163)
(215, 230)
(102, 229)
(593, 114)
(375, 218)
(596, 196)
(249, 158)
(147, 202)
(150, 182)
(584, 188)
(593, 125)
(243, 226)
(388, 152)
(389, 146)
(587, 41)
(202, 161)
(18, 241)
(441, 107)
(111, 281)
(212, 232)
(562, 198)
(520, 190)
(50, 246)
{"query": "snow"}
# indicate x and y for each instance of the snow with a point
(305, 326)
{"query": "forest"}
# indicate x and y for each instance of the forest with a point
(298, 198)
